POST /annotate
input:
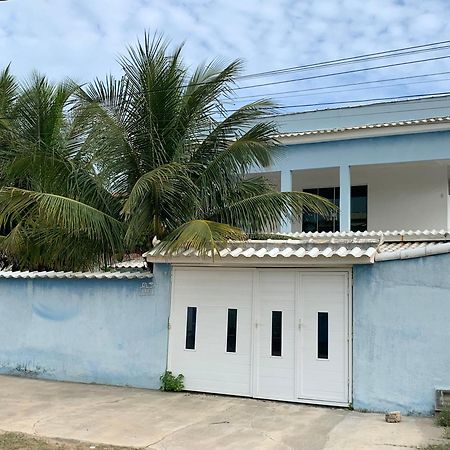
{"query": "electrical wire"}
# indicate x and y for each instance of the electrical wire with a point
(435, 46)
(381, 99)
(357, 83)
(346, 72)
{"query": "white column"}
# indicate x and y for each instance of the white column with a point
(286, 186)
(345, 198)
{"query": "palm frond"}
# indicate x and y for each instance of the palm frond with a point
(268, 210)
(74, 217)
(232, 127)
(253, 150)
(204, 236)
(168, 179)
(8, 95)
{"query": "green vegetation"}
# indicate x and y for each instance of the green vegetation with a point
(20, 441)
(437, 447)
(90, 173)
(443, 418)
(172, 383)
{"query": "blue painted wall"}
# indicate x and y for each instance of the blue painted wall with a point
(401, 334)
(365, 151)
(94, 331)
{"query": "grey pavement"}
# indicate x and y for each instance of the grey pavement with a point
(142, 418)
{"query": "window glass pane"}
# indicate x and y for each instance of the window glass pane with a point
(231, 330)
(313, 222)
(322, 335)
(276, 333)
(326, 223)
(191, 322)
(359, 208)
(327, 193)
(309, 220)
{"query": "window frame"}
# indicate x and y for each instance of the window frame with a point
(318, 357)
(186, 348)
(336, 200)
(272, 336)
(227, 335)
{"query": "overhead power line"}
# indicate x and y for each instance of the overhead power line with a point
(355, 89)
(401, 97)
(404, 51)
(335, 62)
(345, 72)
(399, 52)
(445, 113)
(358, 83)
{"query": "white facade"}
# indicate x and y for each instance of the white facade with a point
(399, 196)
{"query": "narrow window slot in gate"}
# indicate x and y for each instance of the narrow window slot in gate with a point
(231, 330)
(191, 323)
(322, 335)
(276, 332)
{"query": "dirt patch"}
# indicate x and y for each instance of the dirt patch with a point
(20, 441)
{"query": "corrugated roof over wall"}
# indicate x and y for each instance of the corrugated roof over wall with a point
(76, 275)
(348, 248)
(316, 248)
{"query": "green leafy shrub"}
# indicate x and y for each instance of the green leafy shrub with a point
(172, 383)
(443, 418)
(447, 433)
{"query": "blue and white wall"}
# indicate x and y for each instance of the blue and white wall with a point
(113, 332)
(401, 334)
(94, 331)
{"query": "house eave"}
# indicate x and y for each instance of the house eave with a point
(366, 131)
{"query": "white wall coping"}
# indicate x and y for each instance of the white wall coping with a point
(16, 274)
(420, 252)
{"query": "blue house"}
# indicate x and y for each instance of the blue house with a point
(350, 310)
(347, 310)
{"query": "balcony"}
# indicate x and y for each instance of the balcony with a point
(403, 196)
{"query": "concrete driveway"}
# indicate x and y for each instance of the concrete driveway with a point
(157, 420)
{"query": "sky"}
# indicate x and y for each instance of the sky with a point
(82, 39)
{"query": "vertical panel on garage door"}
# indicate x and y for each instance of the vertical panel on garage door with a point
(275, 351)
(209, 367)
(323, 351)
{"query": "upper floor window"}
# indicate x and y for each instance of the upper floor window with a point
(314, 222)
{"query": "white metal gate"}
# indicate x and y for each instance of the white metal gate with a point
(279, 334)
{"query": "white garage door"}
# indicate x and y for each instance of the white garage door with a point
(268, 333)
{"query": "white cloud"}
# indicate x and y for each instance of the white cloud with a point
(82, 38)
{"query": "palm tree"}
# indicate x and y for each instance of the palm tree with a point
(168, 147)
(55, 211)
(89, 173)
